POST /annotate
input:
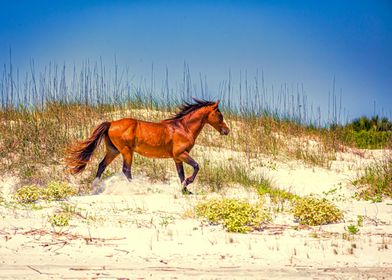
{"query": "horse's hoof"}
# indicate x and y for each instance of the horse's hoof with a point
(97, 189)
(185, 191)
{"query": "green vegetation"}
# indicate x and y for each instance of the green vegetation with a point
(53, 191)
(39, 118)
(60, 219)
(216, 177)
(372, 124)
(360, 221)
(313, 211)
(57, 191)
(28, 194)
(368, 139)
(154, 169)
(365, 133)
(276, 195)
(234, 214)
(352, 229)
(376, 182)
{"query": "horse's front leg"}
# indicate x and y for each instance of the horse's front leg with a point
(180, 171)
(185, 157)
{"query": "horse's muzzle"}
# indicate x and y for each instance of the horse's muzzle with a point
(224, 131)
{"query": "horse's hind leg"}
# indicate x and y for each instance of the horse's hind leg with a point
(111, 154)
(127, 163)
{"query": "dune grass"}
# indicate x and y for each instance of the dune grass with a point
(34, 141)
(376, 182)
(39, 120)
(45, 113)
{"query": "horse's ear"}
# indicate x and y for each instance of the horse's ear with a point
(215, 106)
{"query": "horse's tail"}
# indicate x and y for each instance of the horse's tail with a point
(79, 154)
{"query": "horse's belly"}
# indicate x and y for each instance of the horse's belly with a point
(153, 151)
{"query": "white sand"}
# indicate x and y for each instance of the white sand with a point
(138, 230)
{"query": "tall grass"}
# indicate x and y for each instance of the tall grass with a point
(41, 113)
(376, 182)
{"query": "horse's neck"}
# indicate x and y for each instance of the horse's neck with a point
(195, 123)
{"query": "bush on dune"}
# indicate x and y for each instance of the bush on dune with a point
(234, 214)
(312, 211)
(53, 191)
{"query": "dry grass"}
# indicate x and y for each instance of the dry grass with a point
(34, 137)
(34, 142)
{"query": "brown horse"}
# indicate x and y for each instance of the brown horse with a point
(170, 138)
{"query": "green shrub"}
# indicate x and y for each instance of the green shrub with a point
(28, 194)
(367, 139)
(60, 219)
(57, 191)
(312, 211)
(236, 215)
(352, 229)
(375, 123)
(53, 191)
(376, 182)
(372, 139)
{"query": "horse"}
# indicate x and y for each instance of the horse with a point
(170, 138)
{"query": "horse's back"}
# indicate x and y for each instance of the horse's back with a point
(119, 127)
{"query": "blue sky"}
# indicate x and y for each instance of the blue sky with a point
(308, 42)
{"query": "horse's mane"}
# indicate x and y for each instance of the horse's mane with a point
(187, 108)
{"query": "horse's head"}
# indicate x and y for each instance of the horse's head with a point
(215, 119)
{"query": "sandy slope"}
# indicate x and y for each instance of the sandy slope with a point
(138, 230)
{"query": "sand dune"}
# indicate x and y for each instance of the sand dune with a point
(138, 230)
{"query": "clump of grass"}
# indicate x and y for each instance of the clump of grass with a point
(234, 214)
(28, 194)
(69, 208)
(155, 170)
(352, 229)
(53, 191)
(213, 176)
(276, 195)
(216, 177)
(57, 191)
(360, 220)
(60, 219)
(376, 182)
(313, 211)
